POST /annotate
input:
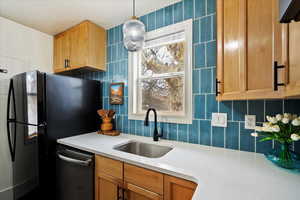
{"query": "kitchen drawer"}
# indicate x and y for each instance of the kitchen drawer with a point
(144, 178)
(109, 166)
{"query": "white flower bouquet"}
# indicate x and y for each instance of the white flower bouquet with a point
(284, 129)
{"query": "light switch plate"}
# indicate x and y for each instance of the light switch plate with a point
(250, 122)
(219, 119)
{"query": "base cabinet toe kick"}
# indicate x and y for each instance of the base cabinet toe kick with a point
(116, 180)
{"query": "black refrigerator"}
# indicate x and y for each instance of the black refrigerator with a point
(42, 108)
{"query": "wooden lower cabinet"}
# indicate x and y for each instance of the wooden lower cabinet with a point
(107, 188)
(115, 180)
(178, 189)
(133, 192)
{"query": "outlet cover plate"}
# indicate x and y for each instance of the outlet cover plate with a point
(250, 122)
(219, 119)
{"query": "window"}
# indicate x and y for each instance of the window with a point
(160, 75)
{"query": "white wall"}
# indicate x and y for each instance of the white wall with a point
(21, 49)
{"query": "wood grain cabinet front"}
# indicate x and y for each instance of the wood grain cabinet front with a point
(250, 43)
(293, 61)
(115, 180)
(80, 47)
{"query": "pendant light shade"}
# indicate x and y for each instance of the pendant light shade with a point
(134, 33)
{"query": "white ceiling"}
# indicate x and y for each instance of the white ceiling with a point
(54, 16)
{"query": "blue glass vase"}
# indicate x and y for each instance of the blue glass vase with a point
(284, 157)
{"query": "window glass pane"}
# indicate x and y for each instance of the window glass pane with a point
(163, 94)
(163, 59)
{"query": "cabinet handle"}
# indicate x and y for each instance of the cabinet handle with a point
(65, 63)
(217, 87)
(120, 195)
(276, 67)
(68, 63)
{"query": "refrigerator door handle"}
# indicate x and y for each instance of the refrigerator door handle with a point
(12, 146)
(74, 161)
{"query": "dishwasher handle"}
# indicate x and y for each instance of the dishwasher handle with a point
(75, 161)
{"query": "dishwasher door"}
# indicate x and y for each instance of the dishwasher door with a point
(74, 174)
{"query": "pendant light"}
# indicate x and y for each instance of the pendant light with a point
(134, 33)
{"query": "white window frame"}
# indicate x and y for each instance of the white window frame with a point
(133, 59)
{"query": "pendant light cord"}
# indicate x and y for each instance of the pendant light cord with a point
(133, 8)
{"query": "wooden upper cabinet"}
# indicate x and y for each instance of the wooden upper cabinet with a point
(293, 72)
(61, 51)
(80, 47)
(250, 41)
(178, 189)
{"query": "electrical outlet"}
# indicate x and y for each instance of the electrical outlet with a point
(250, 121)
(219, 119)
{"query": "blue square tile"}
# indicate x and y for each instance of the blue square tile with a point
(292, 106)
(188, 9)
(169, 15)
(232, 135)
(178, 12)
(194, 132)
(182, 132)
(211, 6)
(111, 36)
(297, 147)
(120, 51)
(132, 127)
(108, 54)
(257, 108)
(113, 53)
(206, 81)
(151, 21)
(125, 124)
(205, 132)
(173, 131)
(212, 105)
(196, 81)
(274, 107)
(239, 110)
(159, 18)
(206, 29)
(117, 34)
(199, 55)
(214, 71)
(199, 104)
(214, 30)
(119, 122)
(147, 131)
(247, 142)
(139, 126)
(196, 31)
(226, 107)
(218, 137)
(105, 103)
(263, 147)
(200, 8)
(211, 53)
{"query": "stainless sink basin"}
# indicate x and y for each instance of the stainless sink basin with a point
(144, 149)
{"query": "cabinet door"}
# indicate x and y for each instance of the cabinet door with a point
(134, 192)
(178, 189)
(61, 51)
(250, 41)
(79, 45)
(293, 78)
(108, 188)
(231, 48)
(264, 48)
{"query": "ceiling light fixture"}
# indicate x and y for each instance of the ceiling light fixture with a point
(134, 33)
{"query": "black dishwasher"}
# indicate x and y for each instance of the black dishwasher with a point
(74, 174)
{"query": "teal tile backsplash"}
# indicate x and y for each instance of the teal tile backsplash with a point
(234, 136)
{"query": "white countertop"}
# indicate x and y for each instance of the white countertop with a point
(221, 174)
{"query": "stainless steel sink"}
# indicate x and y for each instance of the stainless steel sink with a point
(144, 149)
